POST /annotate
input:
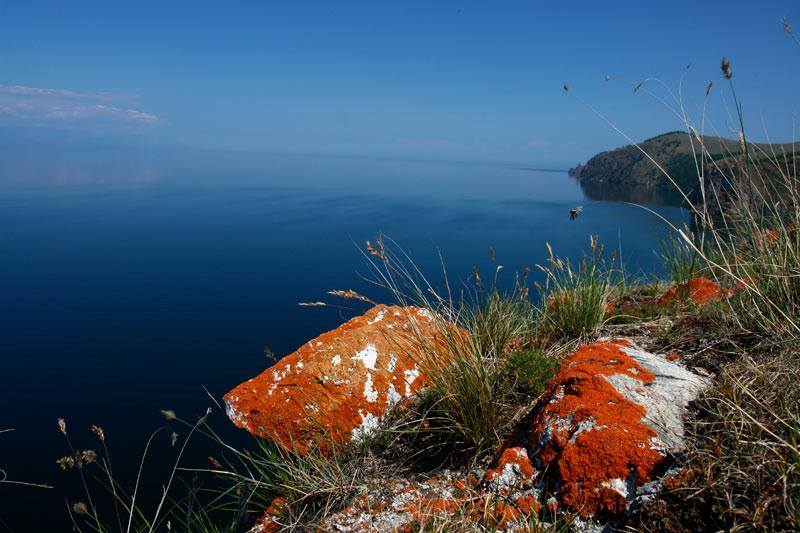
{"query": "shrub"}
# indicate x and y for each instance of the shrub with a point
(531, 369)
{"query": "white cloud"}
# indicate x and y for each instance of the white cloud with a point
(38, 105)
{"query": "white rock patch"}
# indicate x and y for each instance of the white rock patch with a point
(378, 317)
(392, 397)
(665, 399)
(617, 485)
(368, 356)
(370, 393)
(234, 414)
(369, 423)
(410, 376)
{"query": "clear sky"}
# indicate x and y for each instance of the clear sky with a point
(470, 80)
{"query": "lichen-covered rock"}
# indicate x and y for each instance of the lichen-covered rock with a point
(513, 471)
(270, 521)
(396, 504)
(337, 387)
(404, 505)
(613, 414)
(700, 290)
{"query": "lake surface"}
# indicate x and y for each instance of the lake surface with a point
(128, 284)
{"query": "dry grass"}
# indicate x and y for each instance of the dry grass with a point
(741, 471)
(746, 445)
(681, 260)
(311, 484)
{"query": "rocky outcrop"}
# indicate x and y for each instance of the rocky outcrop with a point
(513, 470)
(600, 439)
(337, 387)
(629, 166)
(614, 414)
(396, 504)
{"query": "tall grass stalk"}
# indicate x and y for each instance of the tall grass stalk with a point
(681, 260)
(137, 520)
(574, 298)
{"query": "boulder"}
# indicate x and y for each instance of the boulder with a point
(613, 414)
(337, 387)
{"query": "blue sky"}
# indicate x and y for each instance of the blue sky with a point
(470, 80)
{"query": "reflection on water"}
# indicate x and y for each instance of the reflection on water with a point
(608, 192)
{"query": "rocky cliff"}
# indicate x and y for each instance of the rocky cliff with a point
(628, 166)
(627, 174)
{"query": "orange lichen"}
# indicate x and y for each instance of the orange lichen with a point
(500, 513)
(673, 356)
(552, 505)
(528, 505)
(681, 478)
(699, 290)
(343, 380)
(425, 507)
(516, 461)
(591, 435)
(435, 497)
(269, 522)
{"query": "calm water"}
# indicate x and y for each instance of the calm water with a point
(128, 284)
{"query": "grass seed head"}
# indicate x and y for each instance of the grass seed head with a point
(66, 463)
(97, 430)
(350, 294)
(476, 276)
(726, 68)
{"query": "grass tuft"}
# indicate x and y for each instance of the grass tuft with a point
(575, 298)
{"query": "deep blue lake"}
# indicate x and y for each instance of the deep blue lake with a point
(128, 284)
